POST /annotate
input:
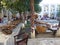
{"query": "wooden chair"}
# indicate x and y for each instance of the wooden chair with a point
(21, 39)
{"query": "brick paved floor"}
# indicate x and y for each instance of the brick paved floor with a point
(44, 41)
(46, 35)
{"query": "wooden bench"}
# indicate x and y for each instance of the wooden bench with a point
(21, 41)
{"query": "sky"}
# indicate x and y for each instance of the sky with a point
(50, 2)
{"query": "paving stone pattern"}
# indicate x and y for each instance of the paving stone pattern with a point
(44, 41)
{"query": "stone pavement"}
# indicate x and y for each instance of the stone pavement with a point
(44, 41)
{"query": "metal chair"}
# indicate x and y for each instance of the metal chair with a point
(21, 39)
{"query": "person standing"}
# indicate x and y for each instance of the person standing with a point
(5, 19)
(17, 16)
(45, 16)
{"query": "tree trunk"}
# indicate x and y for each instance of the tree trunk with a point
(32, 19)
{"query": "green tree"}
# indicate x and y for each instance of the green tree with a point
(7, 3)
(36, 5)
(0, 6)
(37, 8)
(37, 1)
(58, 14)
(58, 11)
(21, 5)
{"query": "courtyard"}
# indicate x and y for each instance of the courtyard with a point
(29, 22)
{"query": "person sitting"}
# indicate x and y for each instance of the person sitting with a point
(5, 19)
(45, 16)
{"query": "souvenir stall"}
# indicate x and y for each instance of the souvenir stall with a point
(9, 27)
(8, 39)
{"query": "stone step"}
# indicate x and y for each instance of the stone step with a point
(44, 41)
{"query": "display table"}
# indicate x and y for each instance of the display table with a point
(9, 39)
(51, 23)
